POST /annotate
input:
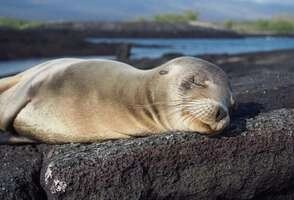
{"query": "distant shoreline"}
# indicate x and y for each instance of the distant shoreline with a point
(143, 29)
(220, 59)
(68, 39)
(231, 59)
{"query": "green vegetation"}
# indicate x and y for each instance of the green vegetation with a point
(275, 25)
(18, 23)
(229, 24)
(185, 16)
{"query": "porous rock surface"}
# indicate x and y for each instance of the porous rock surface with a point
(252, 159)
(178, 166)
(19, 173)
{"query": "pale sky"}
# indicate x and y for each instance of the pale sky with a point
(214, 10)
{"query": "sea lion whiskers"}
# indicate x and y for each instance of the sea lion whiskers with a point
(202, 115)
(189, 118)
(198, 109)
(189, 106)
(175, 111)
(205, 109)
(186, 117)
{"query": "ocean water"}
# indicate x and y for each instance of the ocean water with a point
(16, 66)
(202, 46)
(184, 46)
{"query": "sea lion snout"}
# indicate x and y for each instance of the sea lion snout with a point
(221, 113)
(206, 116)
(221, 119)
(215, 115)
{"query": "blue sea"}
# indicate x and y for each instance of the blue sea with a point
(202, 46)
(184, 46)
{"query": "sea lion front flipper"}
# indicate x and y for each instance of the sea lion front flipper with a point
(8, 82)
(13, 100)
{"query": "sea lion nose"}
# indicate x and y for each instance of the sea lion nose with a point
(221, 113)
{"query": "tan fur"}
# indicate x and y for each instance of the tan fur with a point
(6, 83)
(74, 100)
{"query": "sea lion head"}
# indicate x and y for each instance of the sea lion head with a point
(203, 94)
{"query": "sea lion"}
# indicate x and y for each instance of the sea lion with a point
(78, 100)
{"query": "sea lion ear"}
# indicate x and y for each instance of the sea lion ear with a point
(163, 72)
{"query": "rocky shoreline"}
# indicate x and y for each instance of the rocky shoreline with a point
(23, 44)
(252, 159)
(142, 29)
(69, 39)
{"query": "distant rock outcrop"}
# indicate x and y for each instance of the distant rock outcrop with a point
(143, 29)
(70, 38)
(16, 44)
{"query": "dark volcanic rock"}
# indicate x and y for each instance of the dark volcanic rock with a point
(68, 39)
(41, 43)
(178, 166)
(144, 29)
(19, 172)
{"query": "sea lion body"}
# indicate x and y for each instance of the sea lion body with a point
(76, 100)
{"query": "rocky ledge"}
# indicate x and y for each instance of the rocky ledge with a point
(257, 162)
(252, 159)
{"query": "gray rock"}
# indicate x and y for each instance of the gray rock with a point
(178, 166)
(20, 172)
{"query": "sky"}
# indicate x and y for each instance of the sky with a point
(114, 10)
